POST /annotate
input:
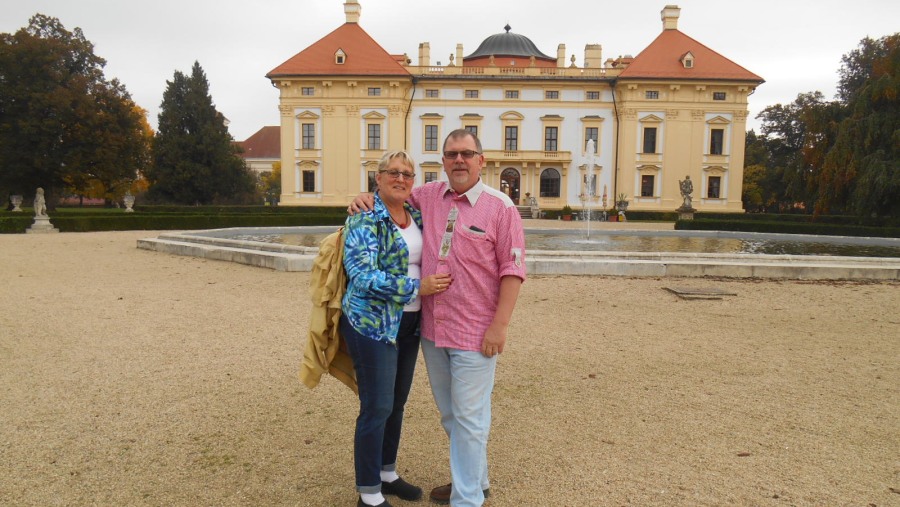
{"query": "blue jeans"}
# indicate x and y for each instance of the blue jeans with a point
(462, 382)
(384, 374)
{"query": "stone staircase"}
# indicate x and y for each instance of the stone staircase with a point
(524, 211)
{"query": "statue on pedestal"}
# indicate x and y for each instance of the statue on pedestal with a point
(40, 205)
(687, 188)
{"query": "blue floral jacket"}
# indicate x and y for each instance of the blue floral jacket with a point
(376, 259)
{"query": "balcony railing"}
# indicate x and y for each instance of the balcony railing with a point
(558, 72)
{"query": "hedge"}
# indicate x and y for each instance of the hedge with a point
(75, 222)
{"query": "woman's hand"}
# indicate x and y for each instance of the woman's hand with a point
(434, 284)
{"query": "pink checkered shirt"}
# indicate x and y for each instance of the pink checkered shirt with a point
(459, 317)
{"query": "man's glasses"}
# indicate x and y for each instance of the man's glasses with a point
(395, 174)
(466, 154)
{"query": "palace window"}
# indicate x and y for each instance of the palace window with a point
(713, 187)
(647, 185)
(307, 90)
(716, 141)
(651, 95)
(432, 94)
(550, 183)
(309, 181)
(592, 95)
(649, 140)
(591, 134)
(471, 94)
(512, 94)
(372, 184)
(431, 138)
(473, 129)
(374, 92)
(373, 137)
(431, 176)
(551, 138)
(309, 136)
(718, 95)
(551, 94)
(511, 138)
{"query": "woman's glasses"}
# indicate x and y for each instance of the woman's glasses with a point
(395, 174)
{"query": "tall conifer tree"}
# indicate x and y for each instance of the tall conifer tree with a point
(194, 158)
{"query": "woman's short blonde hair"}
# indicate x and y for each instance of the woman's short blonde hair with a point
(391, 155)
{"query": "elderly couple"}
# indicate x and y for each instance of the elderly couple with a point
(445, 261)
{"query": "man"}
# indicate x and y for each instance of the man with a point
(474, 233)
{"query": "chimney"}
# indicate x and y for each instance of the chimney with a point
(592, 56)
(352, 10)
(459, 54)
(561, 55)
(424, 55)
(669, 16)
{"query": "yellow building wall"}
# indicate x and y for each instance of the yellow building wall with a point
(684, 114)
(340, 159)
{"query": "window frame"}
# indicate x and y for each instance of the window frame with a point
(651, 94)
(547, 185)
(716, 141)
(307, 181)
(308, 136)
(374, 91)
(551, 138)
(645, 180)
(377, 137)
(511, 94)
(511, 142)
(431, 138)
(646, 138)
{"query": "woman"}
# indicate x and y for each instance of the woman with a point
(380, 324)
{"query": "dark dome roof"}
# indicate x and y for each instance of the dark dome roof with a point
(508, 44)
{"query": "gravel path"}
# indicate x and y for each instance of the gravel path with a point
(129, 377)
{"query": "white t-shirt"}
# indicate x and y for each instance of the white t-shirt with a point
(413, 238)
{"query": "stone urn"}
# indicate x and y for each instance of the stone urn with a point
(16, 201)
(128, 199)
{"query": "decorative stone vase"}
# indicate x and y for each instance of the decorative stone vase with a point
(128, 199)
(16, 201)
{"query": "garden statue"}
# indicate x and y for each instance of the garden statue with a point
(41, 220)
(40, 205)
(686, 189)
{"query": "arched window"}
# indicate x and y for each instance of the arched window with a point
(550, 183)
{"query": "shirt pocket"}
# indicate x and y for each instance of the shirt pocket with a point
(472, 246)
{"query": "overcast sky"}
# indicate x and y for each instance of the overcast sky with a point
(796, 46)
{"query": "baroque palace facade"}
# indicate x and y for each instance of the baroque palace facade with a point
(677, 109)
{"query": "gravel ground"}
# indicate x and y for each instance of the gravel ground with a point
(130, 377)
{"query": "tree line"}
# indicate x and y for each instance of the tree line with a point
(68, 129)
(833, 157)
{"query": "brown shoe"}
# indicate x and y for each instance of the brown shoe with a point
(441, 494)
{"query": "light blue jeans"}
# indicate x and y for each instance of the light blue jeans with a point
(462, 382)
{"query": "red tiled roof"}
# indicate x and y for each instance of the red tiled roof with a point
(364, 57)
(662, 60)
(265, 143)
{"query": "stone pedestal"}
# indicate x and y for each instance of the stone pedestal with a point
(41, 225)
(16, 201)
(685, 213)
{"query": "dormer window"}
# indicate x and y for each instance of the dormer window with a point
(340, 57)
(688, 60)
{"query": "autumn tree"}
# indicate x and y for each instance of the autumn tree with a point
(195, 160)
(61, 122)
(270, 182)
(841, 156)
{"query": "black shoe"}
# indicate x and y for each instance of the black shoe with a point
(401, 489)
(360, 503)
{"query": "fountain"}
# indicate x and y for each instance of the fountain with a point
(610, 252)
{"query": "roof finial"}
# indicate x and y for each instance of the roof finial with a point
(507, 28)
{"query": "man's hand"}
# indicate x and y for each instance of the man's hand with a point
(362, 202)
(494, 340)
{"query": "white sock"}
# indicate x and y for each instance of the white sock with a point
(372, 498)
(389, 475)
